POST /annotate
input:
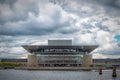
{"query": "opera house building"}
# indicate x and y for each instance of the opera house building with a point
(59, 53)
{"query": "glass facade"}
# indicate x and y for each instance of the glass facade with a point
(59, 55)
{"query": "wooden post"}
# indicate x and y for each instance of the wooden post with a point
(114, 72)
(100, 71)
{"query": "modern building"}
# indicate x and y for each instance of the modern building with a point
(97, 63)
(60, 53)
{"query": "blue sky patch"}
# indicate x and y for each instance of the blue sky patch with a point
(117, 37)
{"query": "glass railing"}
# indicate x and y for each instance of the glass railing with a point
(49, 53)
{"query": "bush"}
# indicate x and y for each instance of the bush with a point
(11, 64)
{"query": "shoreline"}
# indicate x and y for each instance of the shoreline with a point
(60, 68)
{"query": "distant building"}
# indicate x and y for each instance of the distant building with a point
(59, 53)
(13, 60)
(107, 63)
(0, 60)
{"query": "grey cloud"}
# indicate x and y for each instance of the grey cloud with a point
(34, 27)
(68, 30)
(20, 24)
(31, 28)
(16, 10)
(11, 52)
(9, 2)
(88, 26)
(112, 3)
(38, 28)
(110, 52)
(119, 44)
(101, 27)
(110, 7)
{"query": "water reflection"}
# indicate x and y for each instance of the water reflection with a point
(56, 75)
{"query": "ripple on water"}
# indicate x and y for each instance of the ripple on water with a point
(56, 75)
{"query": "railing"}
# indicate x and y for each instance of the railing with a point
(64, 53)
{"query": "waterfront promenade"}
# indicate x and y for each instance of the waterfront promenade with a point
(55, 68)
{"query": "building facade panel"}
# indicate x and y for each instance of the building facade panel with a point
(59, 42)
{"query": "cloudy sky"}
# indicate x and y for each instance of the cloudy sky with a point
(86, 22)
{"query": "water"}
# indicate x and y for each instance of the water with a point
(56, 75)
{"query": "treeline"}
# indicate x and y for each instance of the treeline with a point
(10, 64)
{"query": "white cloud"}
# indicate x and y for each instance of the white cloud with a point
(98, 55)
(37, 21)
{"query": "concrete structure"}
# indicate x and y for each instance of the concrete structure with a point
(87, 60)
(32, 61)
(60, 42)
(59, 53)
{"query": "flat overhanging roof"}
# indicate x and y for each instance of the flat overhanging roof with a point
(86, 48)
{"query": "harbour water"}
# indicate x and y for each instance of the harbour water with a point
(11, 74)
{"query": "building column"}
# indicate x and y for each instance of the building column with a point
(32, 61)
(87, 60)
